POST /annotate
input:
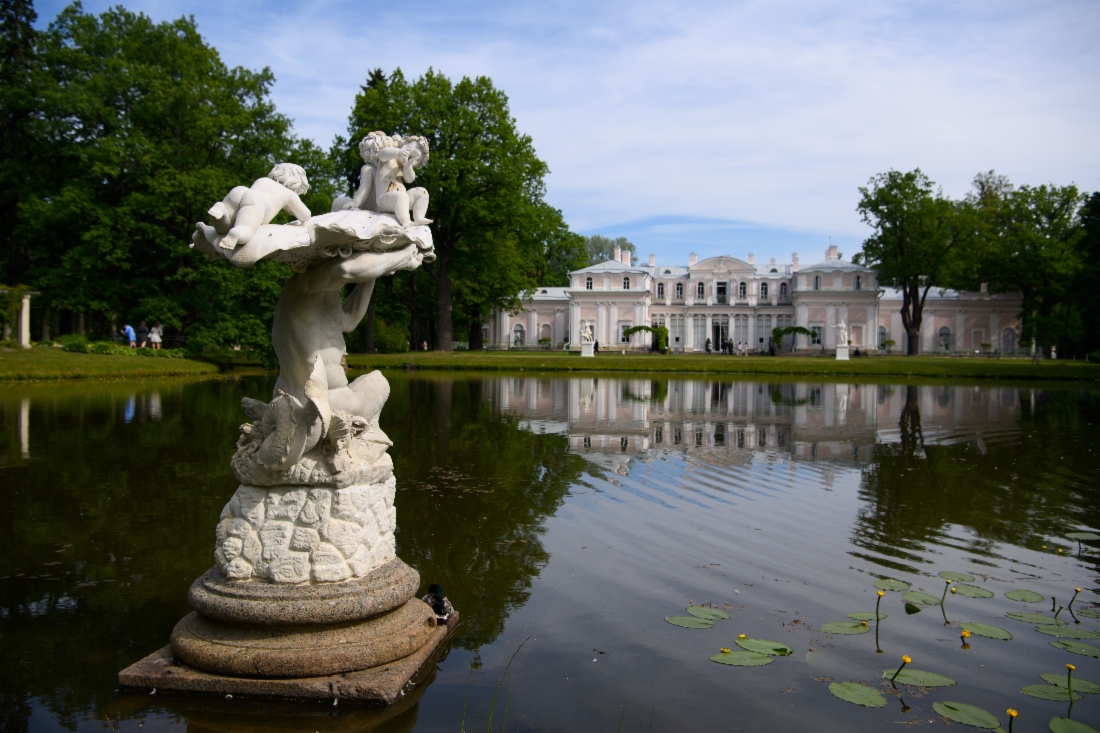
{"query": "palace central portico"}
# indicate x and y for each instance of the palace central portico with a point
(724, 299)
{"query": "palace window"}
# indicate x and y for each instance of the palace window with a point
(679, 291)
(763, 290)
(859, 282)
(818, 332)
(741, 289)
(588, 283)
(700, 291)
(817, 282)
(783, 290)
(660, 290)
(626, 283)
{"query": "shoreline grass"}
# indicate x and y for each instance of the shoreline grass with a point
(18, 365)
(931, 367)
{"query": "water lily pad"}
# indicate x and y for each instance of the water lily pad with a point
(763, 646)
(1079, 685)
(1078, 647)
(922, 599)
(690, 622)
(919, 678)
(890, 584)
(972, 591)
(715, 614)
(866, 616)
(854, 692)
(990, 632)
(1033, 618)
(1066, 632)
(966, 714)
(1024, 596)
(1050, 692)
(1089, 612)
(742, 659)
(956, 577)
(910, 609)
(1067, 725)
(1086, 536)
(846, 627)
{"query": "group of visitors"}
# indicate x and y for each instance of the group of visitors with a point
(740, 348)
(144, 335)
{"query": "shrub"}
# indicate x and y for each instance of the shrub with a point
(77, 347)
(390, 339)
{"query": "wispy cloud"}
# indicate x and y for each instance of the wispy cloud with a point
(765, 112)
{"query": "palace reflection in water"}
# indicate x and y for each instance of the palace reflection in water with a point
(610, 419)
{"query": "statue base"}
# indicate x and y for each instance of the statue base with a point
(588, 350)
(842, 353)
(384, 684)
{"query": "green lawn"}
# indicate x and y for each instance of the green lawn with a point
(885, 366)
(53, 363)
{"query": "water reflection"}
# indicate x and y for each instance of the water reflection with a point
(611, 420)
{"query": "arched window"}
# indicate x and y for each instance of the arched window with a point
(700, 291)
(679, 291)
(817, 282)
(1008, 341)
(518, 335)
(660, 290)
(783, 290)
(588, 283)
(859, 282)
(741, 290)
(763, 290)
(944, 340)
(626, 283)
(883, 337)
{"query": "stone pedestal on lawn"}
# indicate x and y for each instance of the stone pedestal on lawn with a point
(307, 597)
(588, 349)
(842, 352)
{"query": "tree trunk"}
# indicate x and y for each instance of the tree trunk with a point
(912, 437)
(368, 347)
(46, 315)
(79, 323)
(475, 339)
(444, 328)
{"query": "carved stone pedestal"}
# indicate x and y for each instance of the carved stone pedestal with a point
(588, 350)
(842, 352)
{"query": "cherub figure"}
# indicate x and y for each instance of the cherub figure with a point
(244, 210)
(390, 161)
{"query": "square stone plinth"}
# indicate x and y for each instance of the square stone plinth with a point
(380, 685)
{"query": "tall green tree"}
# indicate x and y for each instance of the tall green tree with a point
(143, 127)
(1033, 242)
(1085, 290)
(917, 234)
(18, 149)
(601, 248)
(492, 228)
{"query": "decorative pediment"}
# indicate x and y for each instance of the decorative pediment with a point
(723, 263)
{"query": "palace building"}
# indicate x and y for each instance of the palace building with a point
(724, 299)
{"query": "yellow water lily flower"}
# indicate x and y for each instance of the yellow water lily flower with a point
(724, 650)
(1070, 667)
(881, 593)
(862, 623)
(965, 634)
(1077, 589)
(954, 591)
(1012, 713)
(906, 659)
(740, 636)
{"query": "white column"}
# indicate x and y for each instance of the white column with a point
(25, 323)
(505, 324)
(708, 335)
(829, 337)
(532, 328)
(25, 428)
(613, 326)
(689, 333)
(574, 325)
(558, 333)
(752, 332)
(601, 324)
(959, 326)
(995, 335)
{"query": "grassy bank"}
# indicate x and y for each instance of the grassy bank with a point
(50, 363)
(879, 366)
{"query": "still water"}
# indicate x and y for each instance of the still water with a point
(566, 518)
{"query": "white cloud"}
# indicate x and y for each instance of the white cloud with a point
(764, 112)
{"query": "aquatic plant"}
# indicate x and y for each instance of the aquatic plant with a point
(967, 714)
(904, 661)
(858, 694)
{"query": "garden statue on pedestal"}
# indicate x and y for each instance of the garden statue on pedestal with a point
(841, 341)
(306, 582)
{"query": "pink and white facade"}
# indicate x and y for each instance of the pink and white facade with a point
(729, 299)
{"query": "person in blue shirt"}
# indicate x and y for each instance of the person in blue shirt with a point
(128, 332)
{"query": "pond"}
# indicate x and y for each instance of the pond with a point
(566, 518)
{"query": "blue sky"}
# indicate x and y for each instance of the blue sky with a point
(715, 127)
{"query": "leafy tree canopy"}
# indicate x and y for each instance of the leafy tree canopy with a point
(601, 248)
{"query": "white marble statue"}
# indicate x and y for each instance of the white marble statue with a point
(841, 334)
(586, 334)
(390, 161)
(316, 496)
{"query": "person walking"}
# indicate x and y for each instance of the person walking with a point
(142, 334)
(156, 335)
(131, 337)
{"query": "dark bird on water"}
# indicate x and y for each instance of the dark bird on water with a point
(439, 603)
